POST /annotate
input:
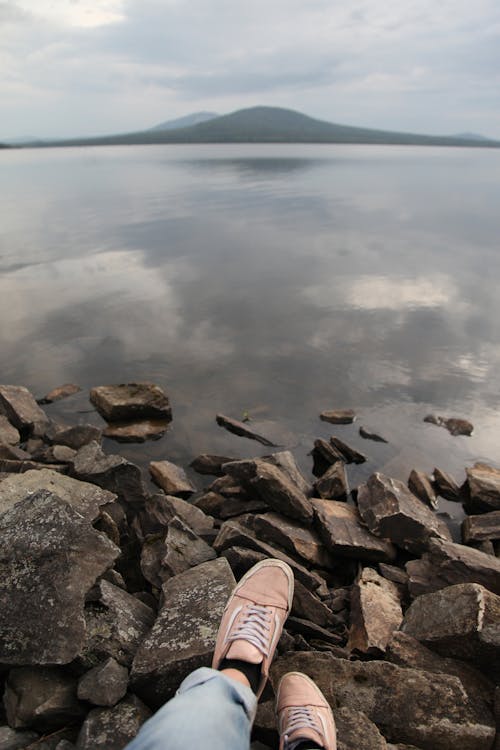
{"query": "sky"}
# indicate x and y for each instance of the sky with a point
(89, 67)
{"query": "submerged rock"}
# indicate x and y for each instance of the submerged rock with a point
(338, 416)
(137, 432)
(131, 401)
(62, 391)
(368, 434)
(454, 425)
(241, 429)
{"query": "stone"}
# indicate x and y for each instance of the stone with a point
(408, 706)
(446, 486)
(355, 731)
(273, 486)
(49, 558)
(310, 630)
(129, 402)
(13, 453)
(113, 728)
(185, 549)
(481, 528)
(341, 529)
(350, 454)
(241, 559)
(324, 455)
(83, 497)
(421, 486)
(160, 509)
(368, 434)
(62, 391)
(333, 483)
(44, 699)
(74, 437)
(222, 507)
(460, 621)
(8, 433)
(307, 606)
(10, 739)
(136, 432)
(111, 472)
(104, 685)
(447, 563)
(338, 416)
(116, 623)
(285, 461)
(171, 478)
(264, 727)
(292, 537)
(184, 633)
(391, 511)
(241, 429)
(454, 425)
(208, 463)
(375, 613)
(393, 573)
(483, 484)
(8, 466)
(152, 553)
(19, 406)
(228, 487)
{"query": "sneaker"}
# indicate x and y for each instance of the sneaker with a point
(303, 713)
(254, 617)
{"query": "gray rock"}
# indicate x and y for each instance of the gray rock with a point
(10, 739)
(391, 511)
(8, 466)
(62, 391)
(285, 461)
(421, 486)
(21, 409)
(73, 437)
(343, 533)
(481, 528)
(333, 484)
(484, 489)
(12, 453)
(113, 728)
(409, 706)
(311, 631)
(368, 434)
(240, 429)
(49, 558)
(241, 559)
(324, 455)
(137, 432)
(307, 606)
(131, 401)
(171, 478)
(208, 463)
(338, 416)
(350, 454)
(8, 433)
(104, 685)
(293, 537)
(446, 486)
(222, 507)
(113, 473)
(43, 699)
(183, 636)
(393, 573)
(355, 731)
(454, 425)
(185, 549)
(375, 613)
(160, 509)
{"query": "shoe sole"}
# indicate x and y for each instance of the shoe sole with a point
(311, 682)
(268, 563)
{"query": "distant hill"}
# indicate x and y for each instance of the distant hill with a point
(187, 121)
(272, 125)
(471, 136)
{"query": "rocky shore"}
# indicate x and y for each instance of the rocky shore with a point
(110, 593)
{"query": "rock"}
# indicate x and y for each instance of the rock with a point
(447, 563)
(137, 432)
(171, 478)
(62, 391)
(273, 486)
(392, 573)
(241, 559)
(222, 507)
(49, 558)
(12, 453)
(8, 466)
(292, 537)
(22, 411)
(307, 606)
(310, 630)
(184, 548)
(104, 685)
(113, 728)
(83, 497)
(152, 553)
(113, 473)
(351, 455)
(333, 483)
(10, 739)
(461, 621)
(484, 489)
(446, 486)
(341, 530)
(356, 732)
(207, 463)
(409, 706)
(228, 487)
(338, 416)
(116, 623)
(375, 613)
(131, 402)
(421, 486)
(369, 434)
(160, 509)
(240, 429)
(43, 699)
(8, 433)
(391, 511)
(183, 636)
(73, 437)
(481, 528)
(454, 425)
(324, 455)
(285, 461)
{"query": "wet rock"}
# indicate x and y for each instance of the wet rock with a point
(10, 739)
(62, 391)
(8, 433)
(116, 623)
(454, 425)
(131, 402)
(104, 685)
(391, 511)
(185, 630)
(350, 454)
(73, 437)
(375, 613)
(136, 432)
(484, 489)
(222, 507)
(113, 728)
(340, 527)
(285, 461)
(171, 478)
(447, 563)
(307, 606)
(446, 486)
(421, 486)
(461, 621)
(113, 473)
(22, 411)
(83, 497)
(49, 558)
(43, 699)
(241, 429)
(333, 483)
(208, 463)
(481, 528)
(356, 732)
(368, 434)
(408, 706)
(338, 416)
(293, 537)
(160, 509)
(184, 548)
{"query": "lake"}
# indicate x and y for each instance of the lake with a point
(273, 280)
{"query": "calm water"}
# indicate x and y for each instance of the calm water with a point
(274, 280)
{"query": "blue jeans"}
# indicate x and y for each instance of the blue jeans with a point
(209, 711)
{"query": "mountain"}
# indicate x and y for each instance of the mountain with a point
(272, 125)
(471, 136)
(187, 121)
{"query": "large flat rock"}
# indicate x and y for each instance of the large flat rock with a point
(125, 402)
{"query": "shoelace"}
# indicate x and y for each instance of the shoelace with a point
(300, 717)
(254, 627)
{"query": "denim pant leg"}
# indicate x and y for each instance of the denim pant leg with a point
(209, 712)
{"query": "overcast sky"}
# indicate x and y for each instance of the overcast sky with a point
(84, 67)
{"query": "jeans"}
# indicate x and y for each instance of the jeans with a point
(209, 711)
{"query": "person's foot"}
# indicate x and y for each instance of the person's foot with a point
(254, 617)
(304, 716)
